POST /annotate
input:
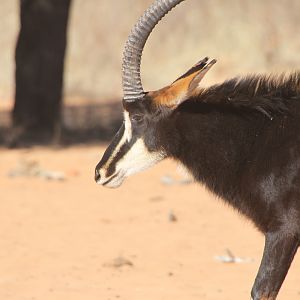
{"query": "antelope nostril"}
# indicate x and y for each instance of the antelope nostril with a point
(97, 175)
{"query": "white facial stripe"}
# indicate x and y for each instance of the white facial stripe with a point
(127, 135)
(138, 158)
(128, 129)
(113, 154)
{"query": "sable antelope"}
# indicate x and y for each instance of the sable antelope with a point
(241, 139)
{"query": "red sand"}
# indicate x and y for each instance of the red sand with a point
(59, 240)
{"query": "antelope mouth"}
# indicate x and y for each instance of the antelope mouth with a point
(114, 181)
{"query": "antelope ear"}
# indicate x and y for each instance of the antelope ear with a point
(183, 87)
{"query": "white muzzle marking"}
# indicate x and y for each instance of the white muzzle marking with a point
(136, 158)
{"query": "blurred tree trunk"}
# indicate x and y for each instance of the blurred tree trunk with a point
(40, 53)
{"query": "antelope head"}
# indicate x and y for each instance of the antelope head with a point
(139, 143)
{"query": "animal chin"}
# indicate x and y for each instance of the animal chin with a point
(114, 181)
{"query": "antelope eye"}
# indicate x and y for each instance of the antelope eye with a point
(137, 118)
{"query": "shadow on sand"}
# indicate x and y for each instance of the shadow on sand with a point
(85, 123)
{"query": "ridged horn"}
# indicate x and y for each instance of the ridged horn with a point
(132, 84)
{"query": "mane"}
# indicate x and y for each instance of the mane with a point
(268, 94)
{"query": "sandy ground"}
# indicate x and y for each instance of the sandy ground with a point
(74, 240)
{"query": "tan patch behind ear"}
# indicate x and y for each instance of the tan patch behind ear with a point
(184, 87)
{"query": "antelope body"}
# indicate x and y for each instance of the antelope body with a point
(240, 138)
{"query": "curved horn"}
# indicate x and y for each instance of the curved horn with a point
(132, 85)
